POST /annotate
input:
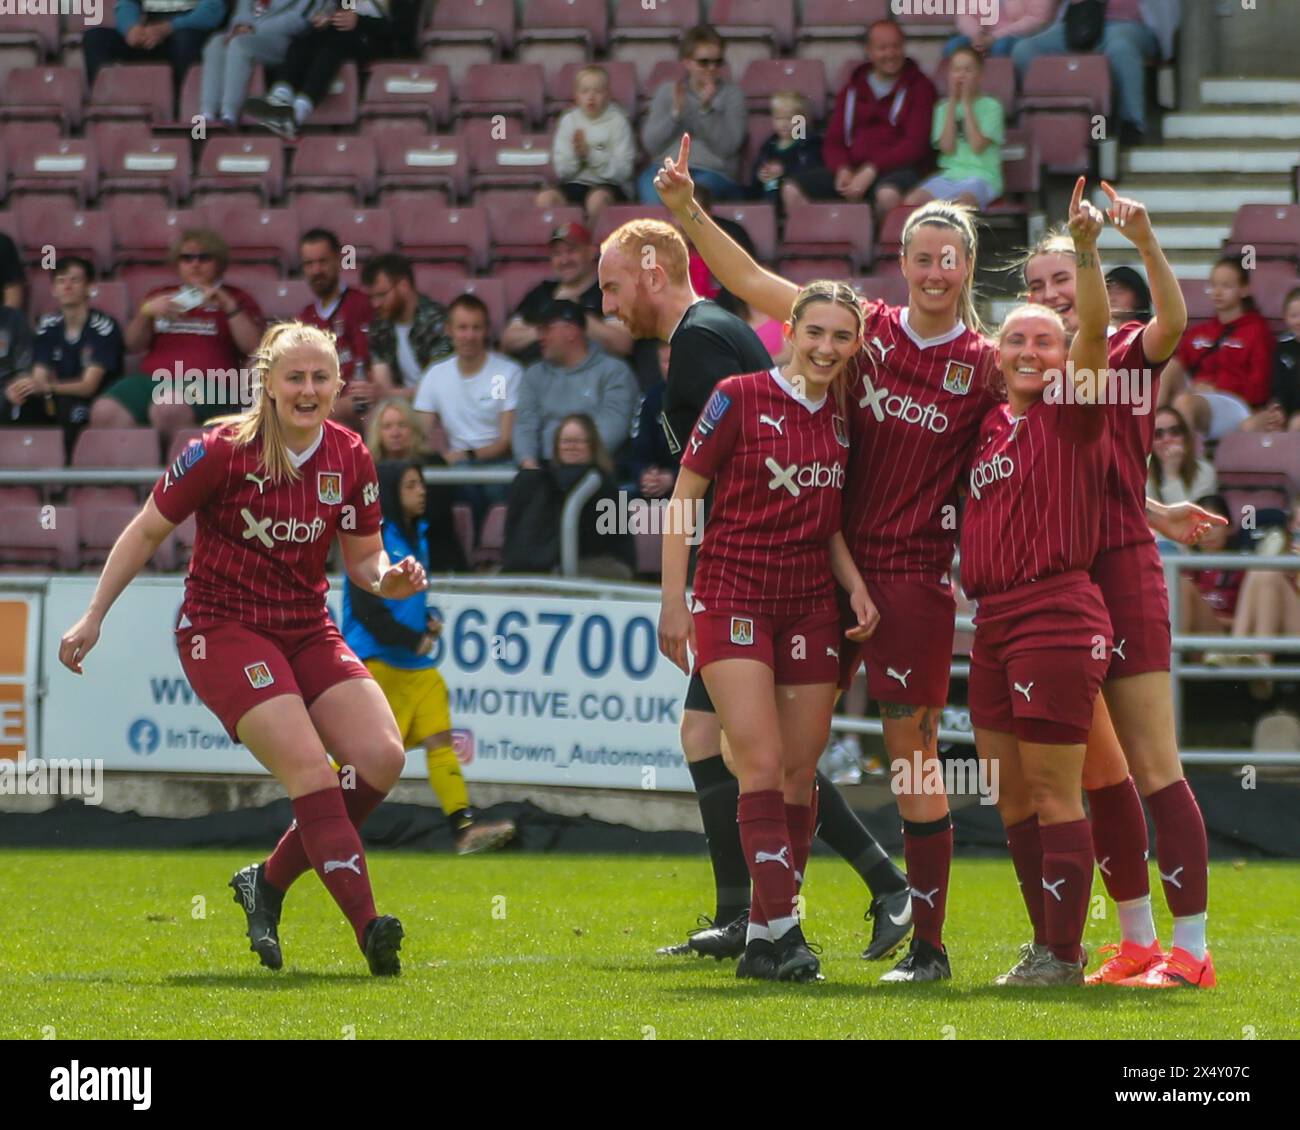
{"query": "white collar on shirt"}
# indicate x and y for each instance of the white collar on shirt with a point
(325, 314)
(299, 460)
(811, 405)
(930, 342)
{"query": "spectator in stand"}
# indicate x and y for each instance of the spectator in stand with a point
(78, 354)
(793, 147)
(1222, 370)
(1014, 20)
(393, 433)
(1269, 602)
(653, 464)
(877, 145)
(1286, 365)
(466, 404)
(1134, 33)
(709, 108)
(594, 152)
(537, 497)
(573, 260)
(771, 332)
(571, 378)
(195, 340)
(1177, 473)
(153, 31)
(1130, 297)
(259, 32)
(969, 128)
(1209, 596)
(353, 30)
(15, 369)
(13, 283)
(346, 313)
(706, 286)
(409, 330)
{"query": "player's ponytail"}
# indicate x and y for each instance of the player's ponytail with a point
(261, 421)
(958, 218)
(840, 294)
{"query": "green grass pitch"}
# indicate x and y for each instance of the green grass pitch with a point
(150, 945)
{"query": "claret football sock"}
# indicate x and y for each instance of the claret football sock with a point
(770, 856)
(1027, 857)
(1181, 849)
(289, 859)
(927, 848)
(1067, 884)
(717, 793)
(333, 845)
(1119, 840)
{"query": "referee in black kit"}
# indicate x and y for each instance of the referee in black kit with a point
(644, 281)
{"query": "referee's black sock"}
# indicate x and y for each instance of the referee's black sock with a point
(718, 793)
(839, 827)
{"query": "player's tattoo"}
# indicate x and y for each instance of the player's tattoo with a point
(1084, 259)
(896, 710)
(696, 217)
(929, 727)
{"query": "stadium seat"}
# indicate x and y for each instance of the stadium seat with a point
(19, 496)
(460, 35)
(830, 231)
(142, 91)
(107, 296)
(1273, 230)
(280, 300)
(998, 79)
(192, 95)
(46, 222)
(1022, 179)
(414, 160)
(443, 288)
(369, 230)
(649, 547)
(339, 106)
(241, 164)
(420, 92)
(1196, 294)
(764, 77)
(622, 86)
(889, 286)
(44, 94)
(889, 240)
(26, 40)
(1060, 96)
(116, 447)
(31, 448)
(753, 29)
(516, 160)
(519, 278)
(39, 536)
(145, 234)
(491, 538)
(435, 235)
(99, 525)
(263, 235)
(139, 164)
(462, 521)
(333, 163)
(440, 278)
(525, 233)
(642, 34)
(1270, 288)
(182, 438)
(503, 88)
(758, 220)
(616, 215)
(1260, 461)
(85, 497)
(140, 280)
(555, 32)
(833, 30)
(57, 165)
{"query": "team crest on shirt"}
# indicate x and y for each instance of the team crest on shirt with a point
(841, 430)
(329, 487)
(957, 377)
(742, 631)
(259, 674)
(713, 412)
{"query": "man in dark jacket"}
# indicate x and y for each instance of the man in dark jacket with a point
(877, 145)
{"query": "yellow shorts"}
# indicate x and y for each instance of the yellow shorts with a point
(418, 700)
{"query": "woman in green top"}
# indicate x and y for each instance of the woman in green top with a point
(968, 132)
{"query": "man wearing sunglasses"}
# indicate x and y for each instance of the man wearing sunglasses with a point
(709, 108)
(194, 338)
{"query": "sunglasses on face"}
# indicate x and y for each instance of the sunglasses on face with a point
(1165, 433)
(195, 257)
(708, 61)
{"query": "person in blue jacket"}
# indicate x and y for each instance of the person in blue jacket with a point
(394, 638)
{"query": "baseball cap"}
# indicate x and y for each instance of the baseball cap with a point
(572, 232)
(563, 310)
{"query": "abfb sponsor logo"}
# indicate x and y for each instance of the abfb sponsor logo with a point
(797, 476)
(989, 472)
(902, 407)
(285, 530)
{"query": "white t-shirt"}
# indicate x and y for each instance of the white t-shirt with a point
(406, 355)
(470, 407)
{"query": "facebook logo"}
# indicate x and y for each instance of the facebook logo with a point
(143, 736)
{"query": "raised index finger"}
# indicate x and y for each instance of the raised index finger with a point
(684, 151)
(1077, 198)
(1106, 188)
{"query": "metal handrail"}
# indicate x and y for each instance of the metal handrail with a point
(147, 476)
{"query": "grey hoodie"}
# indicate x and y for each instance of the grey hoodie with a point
(717, 134)
(600, 386)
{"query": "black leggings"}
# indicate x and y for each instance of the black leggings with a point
(314, 59)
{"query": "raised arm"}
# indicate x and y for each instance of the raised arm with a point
(1089, 351)
(731, 265)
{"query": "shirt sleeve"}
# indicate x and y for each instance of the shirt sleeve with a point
(364, 498)
(990, 119)
(426, 395)
(43, 347)
(715, 434)
(513, 374)
(106, 349)
(193, 478)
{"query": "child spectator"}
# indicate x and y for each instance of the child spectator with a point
(1286, 365)
(594, 152)
(968, 131)
(793, 147)
(259, 32)
(1222, 369)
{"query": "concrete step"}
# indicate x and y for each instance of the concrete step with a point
(1231, 127)
(1164, 198)
(1214, 157)
(1206, 238)
(1268, 91)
